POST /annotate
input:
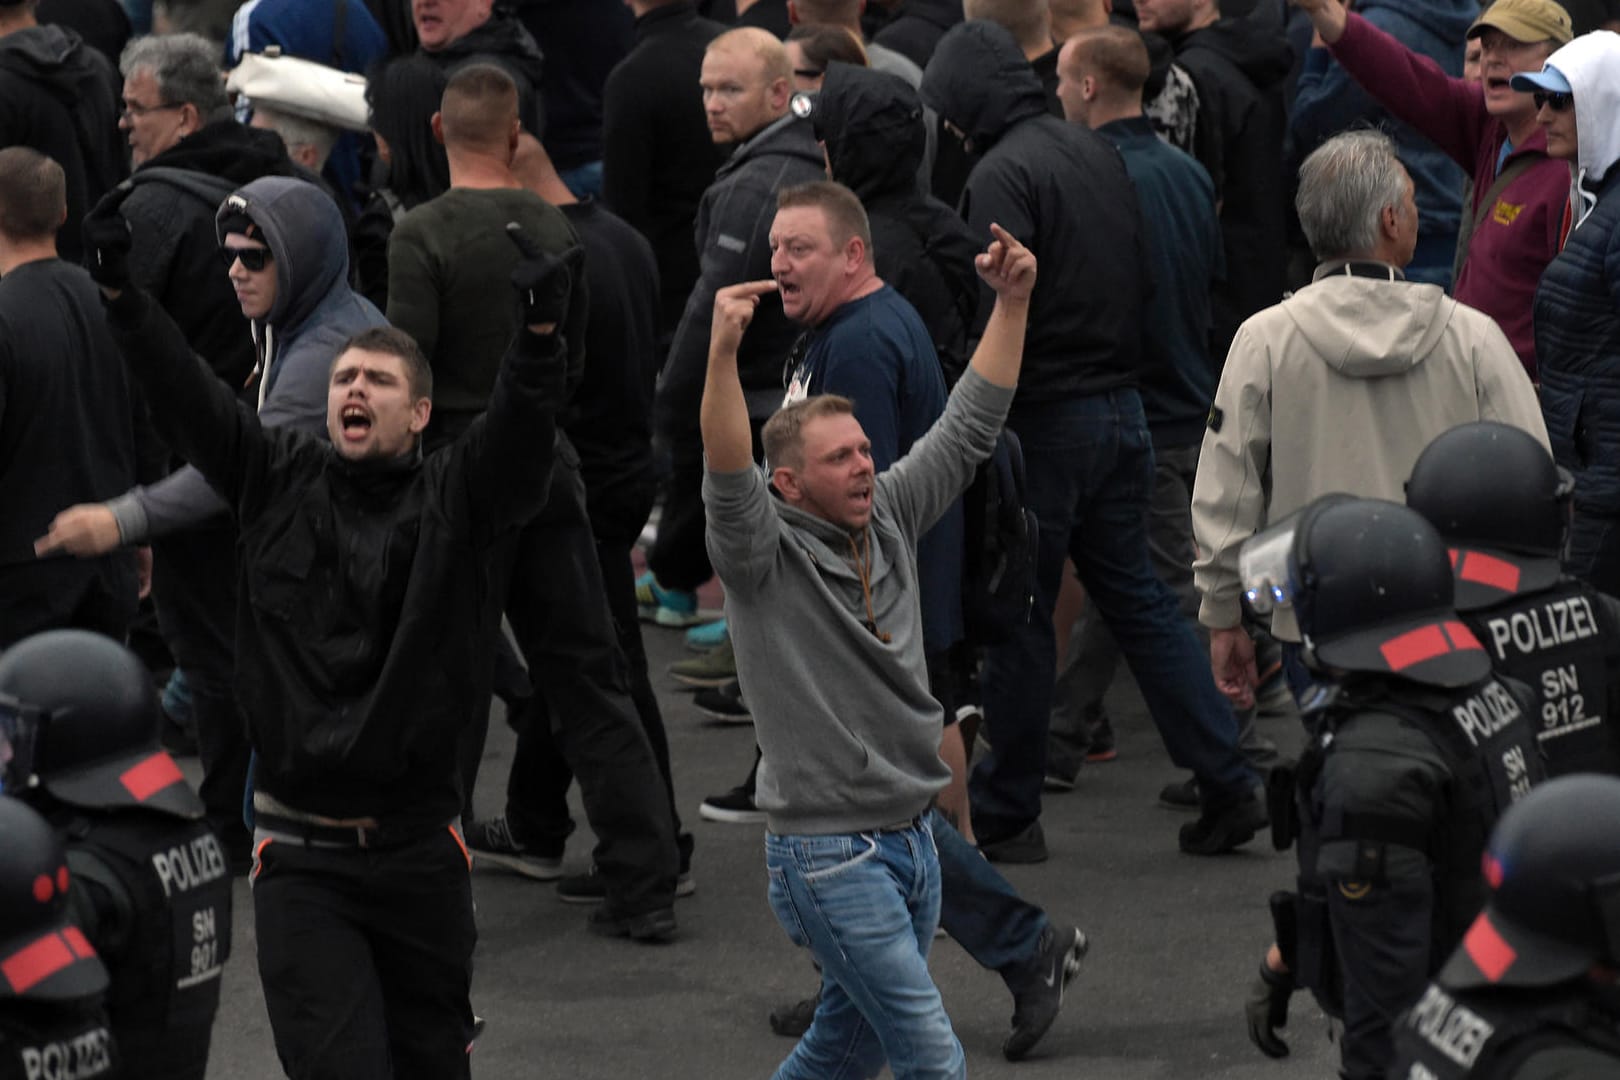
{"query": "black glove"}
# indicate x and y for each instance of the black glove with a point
(1267, 1010)
(107, 243)
(544, 282)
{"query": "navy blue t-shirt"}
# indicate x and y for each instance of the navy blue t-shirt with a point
(877, 352)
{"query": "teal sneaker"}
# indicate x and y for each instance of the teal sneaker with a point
(666, 607)
(708, 636)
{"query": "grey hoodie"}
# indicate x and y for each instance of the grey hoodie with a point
(314, 314)
(848, 730)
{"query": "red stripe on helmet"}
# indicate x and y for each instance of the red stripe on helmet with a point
(79, 943)
(1414, 647)
(1482, 569)
(1462, 638)
(150, 776)
(1491, 869)
(1489, 952)
(33, 964)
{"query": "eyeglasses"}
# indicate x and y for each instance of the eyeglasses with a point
(253, 259)
(141, 110)
(1555, 101)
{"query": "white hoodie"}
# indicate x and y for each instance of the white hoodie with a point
(1591, 63)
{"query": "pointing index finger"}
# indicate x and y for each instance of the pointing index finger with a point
(754, 288)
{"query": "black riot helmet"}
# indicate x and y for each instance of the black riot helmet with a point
(81, 717)
(1371, 586)
(1501, 503)
(43, 957)
(1553, 866)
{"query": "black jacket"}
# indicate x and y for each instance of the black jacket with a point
(872, 125)
(61, 97)
(916, 30)
(1063, 191)
(657, 157)
(733, 238)
(610, 413)
(367, 601)
(583, 40)
(175, 256)
(502, 40)
(1240, 66)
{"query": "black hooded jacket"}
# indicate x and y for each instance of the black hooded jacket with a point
(872, 125)
(916, 30)
(1240, 66)
(175, 254)
(61, 97)
(502, 40)
(1063, 191)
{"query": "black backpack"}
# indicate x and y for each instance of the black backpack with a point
(1000, 537)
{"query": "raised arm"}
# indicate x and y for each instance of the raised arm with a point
(727, 440)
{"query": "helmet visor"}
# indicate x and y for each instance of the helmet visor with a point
(1265, 567)
(19, 725)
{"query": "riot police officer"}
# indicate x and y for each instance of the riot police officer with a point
(1414, 751)
(1532, 994)
(152, 888)
(1503, 506)
(51, 981)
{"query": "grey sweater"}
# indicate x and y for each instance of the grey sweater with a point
(848, 729)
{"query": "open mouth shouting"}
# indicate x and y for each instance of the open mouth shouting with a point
(355, 421)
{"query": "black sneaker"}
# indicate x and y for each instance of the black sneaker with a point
(1028, 845)
(1181, 795)
(1036, 1002)
(653, 927)
(491, 841)
(591, 888)
(735, 807)
(1218, 831)
(724, 704)
(791, 1021)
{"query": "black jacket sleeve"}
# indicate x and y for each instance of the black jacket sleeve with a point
(194, 412)
(503, 461)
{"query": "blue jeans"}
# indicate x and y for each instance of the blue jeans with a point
(981, 910)
(1089, 471)
(865, 905)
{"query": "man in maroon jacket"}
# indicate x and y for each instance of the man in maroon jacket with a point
(1514, 225)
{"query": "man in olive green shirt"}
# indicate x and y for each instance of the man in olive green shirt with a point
(448, 260)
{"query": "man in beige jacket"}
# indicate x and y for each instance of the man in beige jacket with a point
(1339, 387)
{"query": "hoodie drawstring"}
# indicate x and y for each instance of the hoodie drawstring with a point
(863, 567)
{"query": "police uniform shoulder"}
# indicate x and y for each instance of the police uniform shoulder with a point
(1570, 1062)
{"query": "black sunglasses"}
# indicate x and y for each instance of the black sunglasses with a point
(1555, 101)
(253, 259)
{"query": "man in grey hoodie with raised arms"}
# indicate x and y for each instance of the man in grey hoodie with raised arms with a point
(821, 591)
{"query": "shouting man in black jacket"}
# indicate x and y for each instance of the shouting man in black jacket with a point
(1088, 459)
(367, 619)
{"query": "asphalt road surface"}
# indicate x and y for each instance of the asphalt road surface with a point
(1175, 943)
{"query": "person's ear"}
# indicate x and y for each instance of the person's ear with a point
(1389, 220)
(793, 13)
(854, 253)
(1088, 88)
(787, 482)
(778, 93)
(421, 411)
(437, 123)
(190, 118)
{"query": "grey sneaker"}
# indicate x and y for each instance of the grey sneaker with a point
(715, 668)
(491, 842)
(1038, 998)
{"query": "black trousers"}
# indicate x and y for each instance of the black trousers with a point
(582, 716)
(194, 592)
(366, 957)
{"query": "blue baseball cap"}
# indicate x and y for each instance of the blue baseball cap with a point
(1548, 78)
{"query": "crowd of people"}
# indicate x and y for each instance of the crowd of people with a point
(971, 346)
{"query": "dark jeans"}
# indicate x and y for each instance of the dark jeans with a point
(1085, 674)
(1089, 467)
(366, 957)
(980, 909)
(194, 592)
(582, 712)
